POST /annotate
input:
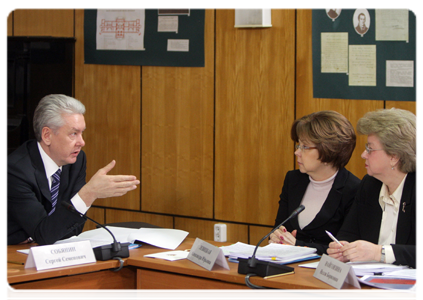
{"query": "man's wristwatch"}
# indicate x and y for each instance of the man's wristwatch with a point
(383, 255)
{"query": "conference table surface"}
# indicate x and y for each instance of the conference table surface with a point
(153, 273)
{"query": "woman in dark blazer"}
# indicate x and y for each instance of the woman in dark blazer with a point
(381, 225)
(326, 140)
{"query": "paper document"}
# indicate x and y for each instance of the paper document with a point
(170, 255)
(272, 252)
(159, 237)
(374, 268)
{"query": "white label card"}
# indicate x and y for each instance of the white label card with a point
(335, 273)
(206, 255)
(60, 255)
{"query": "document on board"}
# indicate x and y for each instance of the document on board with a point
(362, 65)
(400, 73)
(334, 52)
(120, 29)
(391, 24)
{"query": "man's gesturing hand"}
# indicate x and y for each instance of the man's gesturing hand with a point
(102, 185)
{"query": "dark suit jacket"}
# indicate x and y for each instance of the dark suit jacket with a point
(331, 215)
(365, 217)
(28, 198)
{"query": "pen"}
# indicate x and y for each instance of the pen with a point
(333, 238)
(15, 262)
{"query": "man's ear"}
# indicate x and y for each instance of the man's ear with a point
(46, 134)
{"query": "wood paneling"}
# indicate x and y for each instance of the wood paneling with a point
(111, 95)
(204, 229)
(254, 110)
(8, 16)
(96, 214)
(116, 216)
(44, 22)
(177, 136)
(407, 105)
(257, 233)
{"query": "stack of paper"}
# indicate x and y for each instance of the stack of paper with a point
(272, 252)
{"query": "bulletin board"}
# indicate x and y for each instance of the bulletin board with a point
(155, 53)
(336, 85)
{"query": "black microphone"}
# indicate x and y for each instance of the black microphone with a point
(104, 252)
(265, 268)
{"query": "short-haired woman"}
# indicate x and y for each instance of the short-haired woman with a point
(326, 141)
(381, 225)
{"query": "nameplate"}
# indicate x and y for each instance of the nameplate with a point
(335, 273)
(60, 255)
(206, 255)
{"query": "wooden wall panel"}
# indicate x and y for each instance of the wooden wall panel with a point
(112, 97)
(116, 216)
(44, 22)
(96, 214)
(254, 111)
(257, 233)
(177, 135)
(8, 16)
(411, 106)
(204, 229)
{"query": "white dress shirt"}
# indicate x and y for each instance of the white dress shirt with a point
(51, 167)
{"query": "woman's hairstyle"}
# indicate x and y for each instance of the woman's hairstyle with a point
(396, 131)
(332, 134)
(50, 110)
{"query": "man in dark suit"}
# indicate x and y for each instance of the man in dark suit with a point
(55, 162)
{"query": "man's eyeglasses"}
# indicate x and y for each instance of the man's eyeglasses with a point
(370, 150)
(302, 147)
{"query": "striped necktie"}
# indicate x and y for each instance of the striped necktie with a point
(55, 190)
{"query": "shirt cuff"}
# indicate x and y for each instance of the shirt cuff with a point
(79, 204)
(389, 255)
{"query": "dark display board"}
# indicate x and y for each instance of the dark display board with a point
(191, 27)
(336, 85)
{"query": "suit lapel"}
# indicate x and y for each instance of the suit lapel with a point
(301, 185)
(39, 171)
(405, 214)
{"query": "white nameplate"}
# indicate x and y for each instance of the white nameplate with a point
(206, 255)
(60, 255)
(335, 273)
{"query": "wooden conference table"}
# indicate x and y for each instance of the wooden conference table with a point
(140, 272)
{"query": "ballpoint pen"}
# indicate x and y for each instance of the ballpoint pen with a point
(332, 237)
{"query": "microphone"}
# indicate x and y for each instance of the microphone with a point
(265, 268)
(104, 252)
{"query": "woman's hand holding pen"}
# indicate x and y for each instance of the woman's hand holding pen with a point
(335, 250)
(355, 251)
(282, 236)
